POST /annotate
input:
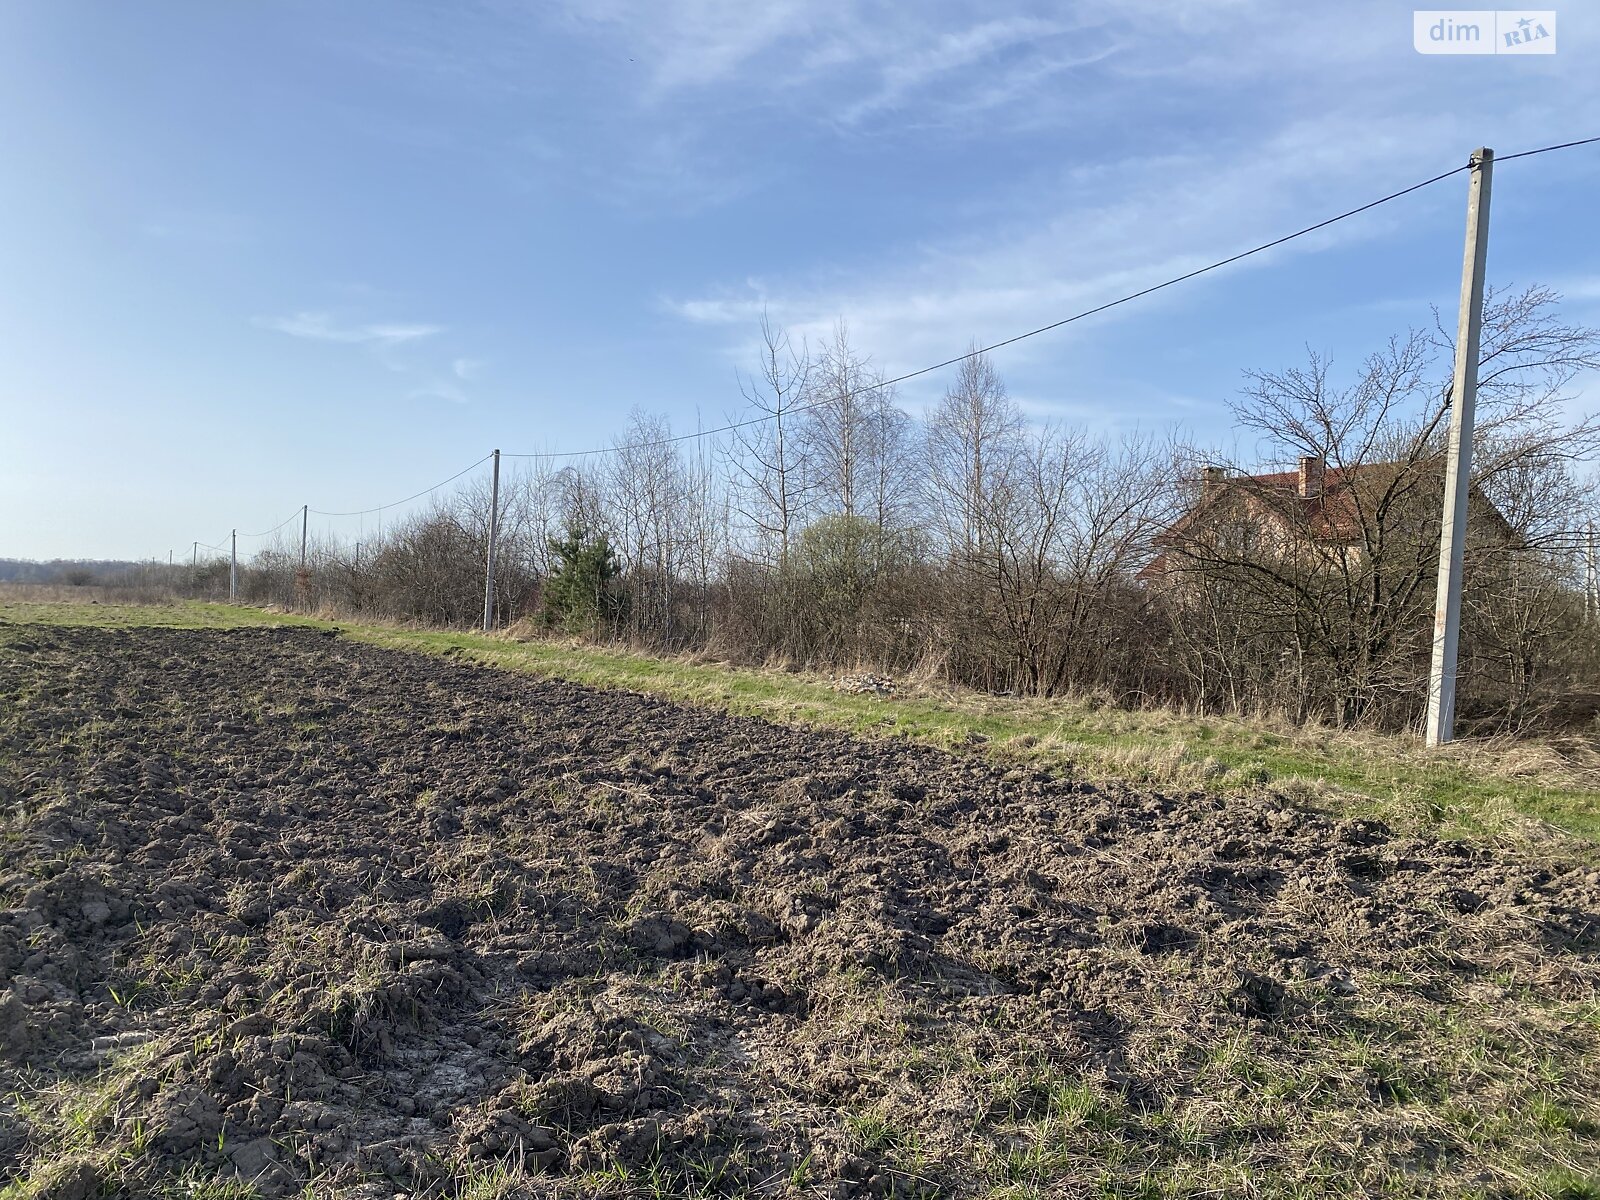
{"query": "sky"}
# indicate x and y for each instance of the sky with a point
(259, 255)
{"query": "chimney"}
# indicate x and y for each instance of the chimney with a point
(1311, 471)
(1211, 480)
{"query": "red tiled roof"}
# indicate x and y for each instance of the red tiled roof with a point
(1331, 516)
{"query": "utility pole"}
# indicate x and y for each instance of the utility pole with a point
(1591, 580)
(233, 566)
(1458, 464)
(305, 514)
(194, 556)
(494, 532)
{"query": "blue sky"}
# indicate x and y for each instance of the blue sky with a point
(259, 254)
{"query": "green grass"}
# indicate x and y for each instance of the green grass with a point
(1469, 789)
(133, 616)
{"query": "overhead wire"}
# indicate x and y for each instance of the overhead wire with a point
(275, 528)
(1089, 312)
(1546, 149)
(361, 512)
(879, 385)
(1010, 341)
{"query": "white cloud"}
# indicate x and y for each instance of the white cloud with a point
(865, 52)
(1184, 131)
(1110, 230)
(906, 74)
(1298, 114)
(695, 43)
(696, 103)
(385, 341)
(1581, 288)
(320, 327)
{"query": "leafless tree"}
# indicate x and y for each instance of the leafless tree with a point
(835, 435)
(973, 438)
(1340, 590)
(771, 469)
(889, 470)
(855, 440)
(832, 528)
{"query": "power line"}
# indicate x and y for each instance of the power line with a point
(275, 528)
(1088, 312)
(395, 504)
(1547, 149)
(938, 366)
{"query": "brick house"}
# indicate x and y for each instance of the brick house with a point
(1315, 513)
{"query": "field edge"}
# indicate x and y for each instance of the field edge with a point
(1517, 791)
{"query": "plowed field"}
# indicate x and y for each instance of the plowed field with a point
(279, 910)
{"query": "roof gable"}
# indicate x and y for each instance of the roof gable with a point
(1334, 514)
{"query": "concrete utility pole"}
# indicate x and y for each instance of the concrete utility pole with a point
(1591, 580)
(305, 515)
(233, 566)
(1458, 465)
(194, 556)
(494, 534)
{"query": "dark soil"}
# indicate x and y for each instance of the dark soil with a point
(285, 908)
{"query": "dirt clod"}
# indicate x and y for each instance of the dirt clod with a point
(288, 910)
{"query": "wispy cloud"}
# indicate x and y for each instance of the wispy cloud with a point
(321, 327)
(677, 97)
(905, 74)
(1049, 156)
(1580, 288)
(1098, 234)
(701, 103)
(386, 341)
(696, 43)
(1133, 204)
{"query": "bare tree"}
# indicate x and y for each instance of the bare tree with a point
(647, 495)
(835, 434)
(973, 436)
(706, 533)
(1118, 496)
(973, 446)
(888, 471)
(1343, 584)
(770, 465)
(856, 443)
(831, 527)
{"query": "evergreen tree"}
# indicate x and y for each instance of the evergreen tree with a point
(580, 596)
